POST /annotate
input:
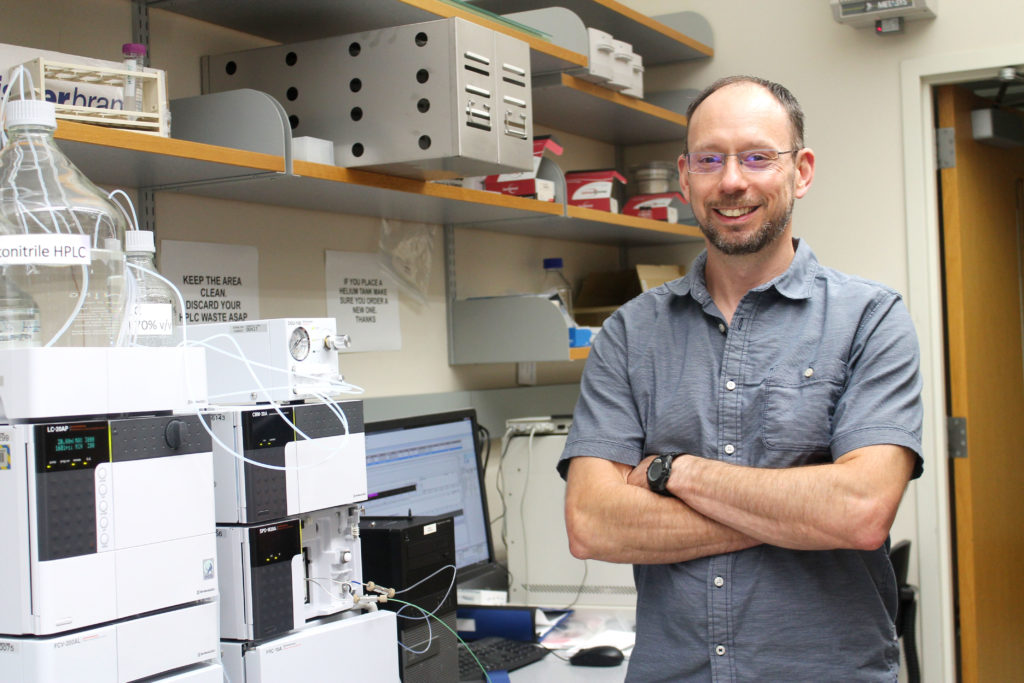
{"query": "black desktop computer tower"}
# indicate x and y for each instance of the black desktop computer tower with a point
(400, 553)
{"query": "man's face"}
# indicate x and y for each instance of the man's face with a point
(738, 210)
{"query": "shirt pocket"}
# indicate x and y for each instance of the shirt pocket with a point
(799, 401)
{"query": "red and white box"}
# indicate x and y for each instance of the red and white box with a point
(599, 189)
(666, 206)
(526, 183)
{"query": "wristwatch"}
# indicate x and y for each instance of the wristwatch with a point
(658, 473)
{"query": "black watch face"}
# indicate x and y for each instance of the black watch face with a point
(655, 469)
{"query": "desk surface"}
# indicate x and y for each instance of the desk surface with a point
(584, 621)
(553, 669)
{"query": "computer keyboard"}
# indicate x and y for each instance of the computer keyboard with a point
(496, 654)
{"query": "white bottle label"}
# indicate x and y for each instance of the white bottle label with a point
(151, 320)
(45, 250)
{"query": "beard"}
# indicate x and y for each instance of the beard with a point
(767, 233)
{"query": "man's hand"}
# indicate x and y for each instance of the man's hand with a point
(638, 476)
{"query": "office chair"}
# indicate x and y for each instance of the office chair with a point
(906, 610)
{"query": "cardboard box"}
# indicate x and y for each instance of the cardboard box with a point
(602, 293)
(666, 206)
(600, 189)
(526, 183)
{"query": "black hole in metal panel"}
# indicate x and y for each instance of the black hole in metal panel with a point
(421, 38)
(292, 94)
(424, 142)
(294, 121)
(231, 68)
(355, 85)
(423, 105)
(476, 69)
(356, 113)
(354, 49)
(422, 76)
(291, 58)
(357, 149)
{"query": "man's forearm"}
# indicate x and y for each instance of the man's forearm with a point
(611, 520)
(848, 504)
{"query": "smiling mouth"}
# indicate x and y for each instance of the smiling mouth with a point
(737, 212)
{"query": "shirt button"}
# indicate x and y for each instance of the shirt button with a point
(809, 372)
(721, 327)
(720, 650)
(719, 581)
(729, 449)
(730, 385)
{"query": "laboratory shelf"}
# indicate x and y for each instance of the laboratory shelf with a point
(658, 40)
(128, 159)
(301, 20)
(568, 103)
(348, 191)
(597, 227)
(109, 156)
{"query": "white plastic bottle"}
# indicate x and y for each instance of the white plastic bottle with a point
(555, 281)
(64, 243)
(133, 57)
(155, 315)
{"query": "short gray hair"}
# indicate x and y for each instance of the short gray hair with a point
(780, 92)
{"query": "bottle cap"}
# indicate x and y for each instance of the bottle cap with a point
(555, 262)
(133, 49)
(139, 240)
(30, 113)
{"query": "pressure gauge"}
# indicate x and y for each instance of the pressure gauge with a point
(298, 344)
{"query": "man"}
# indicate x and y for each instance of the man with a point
(788, 395)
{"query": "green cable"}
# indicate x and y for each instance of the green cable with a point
(441, 621)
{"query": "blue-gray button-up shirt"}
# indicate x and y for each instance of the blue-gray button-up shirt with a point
(814, 365)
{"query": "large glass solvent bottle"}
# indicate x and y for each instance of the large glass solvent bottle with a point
(155, 316)
(65, 243)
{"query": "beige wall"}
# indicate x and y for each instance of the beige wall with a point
(847, 79)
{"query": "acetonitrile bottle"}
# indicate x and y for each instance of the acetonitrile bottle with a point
(19, 313)
(555, 281)
(155, 315)
(63, 247)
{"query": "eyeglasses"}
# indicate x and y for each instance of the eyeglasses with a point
(756, 160)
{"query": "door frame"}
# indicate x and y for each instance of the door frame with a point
(924, 299)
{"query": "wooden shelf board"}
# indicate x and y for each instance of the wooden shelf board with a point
(579, 352)
(128, 159)
(568, 103)
(346, 191)
(110, 156)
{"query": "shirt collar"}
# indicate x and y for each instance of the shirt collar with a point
(795, 283)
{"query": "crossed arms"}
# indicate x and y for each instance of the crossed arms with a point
(717, 507)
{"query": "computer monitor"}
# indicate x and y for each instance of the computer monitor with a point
(431, 465)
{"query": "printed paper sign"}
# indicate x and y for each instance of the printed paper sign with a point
(53, 249)
(363, 300)
(219, 282)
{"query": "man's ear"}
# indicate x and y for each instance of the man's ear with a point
(684, 178)
(804, 171)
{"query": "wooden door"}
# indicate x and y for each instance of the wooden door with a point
(981, 216)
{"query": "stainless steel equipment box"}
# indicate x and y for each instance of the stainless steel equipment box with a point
(438, 99)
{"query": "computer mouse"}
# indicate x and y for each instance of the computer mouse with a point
(599, 655)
